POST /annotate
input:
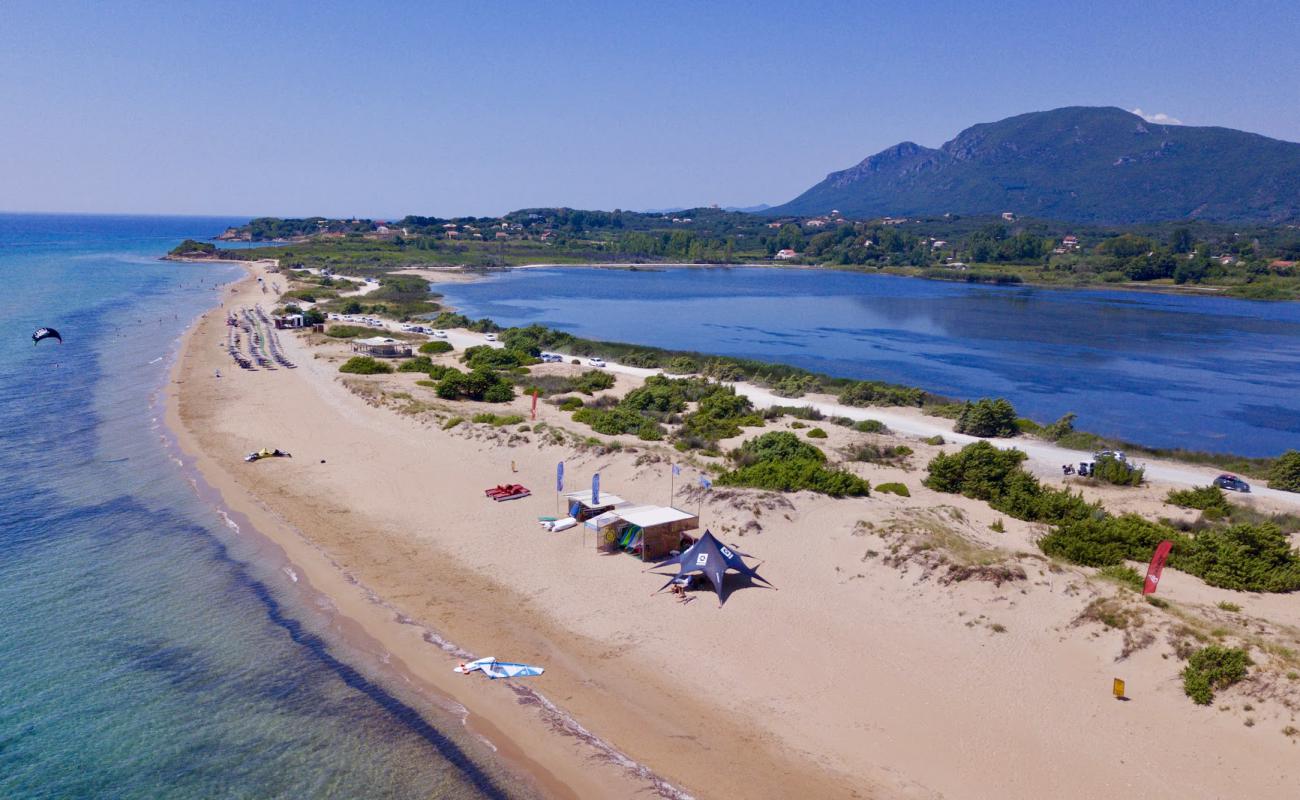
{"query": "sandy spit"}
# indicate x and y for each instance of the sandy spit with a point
(867, 674)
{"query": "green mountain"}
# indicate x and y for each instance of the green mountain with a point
(1078, 164)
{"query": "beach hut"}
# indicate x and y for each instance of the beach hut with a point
(582, 507)
(658, 528)
(381, 347)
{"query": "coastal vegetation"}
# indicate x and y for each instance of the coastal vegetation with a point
(1212, 669)
(1202, 498)
(1248, 556)
(1285, 472)
(779, 461)
(192, 249)
(1254, 261)
(987, 417)
(365, 365)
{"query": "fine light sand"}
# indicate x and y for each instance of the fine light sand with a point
(870, 672)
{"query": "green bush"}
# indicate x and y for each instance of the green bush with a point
(619, 420)
(436, 346)
(1213, 668)
(682, 365)
(894, 488)
(1124, 576)
(798, 412)
(494, 358)
(720, 415)
(870, 426)
(497, 420)
(571, 404)
(1285, 472)
(875, 393)
(588, 382)
(935, 440)
(794, 476)
(1106, 541)
(1246, 557)
(480, 384)
(983, 472)
(365, 365)
(1061, 428)
(1202, 498)
(816, 433)
(987, 417)
(347, 331)
(879, 454)
(1109, 469)
(776, 446)
(795, 386)
(417, 364)
(451, 423)
(779, 461)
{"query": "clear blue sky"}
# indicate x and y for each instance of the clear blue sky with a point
(439, 108)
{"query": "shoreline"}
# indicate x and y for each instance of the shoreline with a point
(314, 574)
(579, 762)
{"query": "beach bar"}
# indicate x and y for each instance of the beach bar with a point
(381, 347)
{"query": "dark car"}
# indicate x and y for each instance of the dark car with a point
(1231, 483)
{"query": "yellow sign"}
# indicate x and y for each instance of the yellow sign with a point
(1117, 688)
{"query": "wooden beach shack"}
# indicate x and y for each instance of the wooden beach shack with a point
(381, 347)
(653, 531)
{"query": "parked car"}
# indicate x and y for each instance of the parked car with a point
(440, 334)
(552, 358)
(1231, 483)
(1118, 455)
(491, 337)
(596, 362)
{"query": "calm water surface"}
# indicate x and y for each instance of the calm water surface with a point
(1163, 370)
(146, 649)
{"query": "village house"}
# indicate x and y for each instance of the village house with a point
(786, 254)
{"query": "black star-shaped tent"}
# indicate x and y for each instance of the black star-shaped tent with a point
(711, 558)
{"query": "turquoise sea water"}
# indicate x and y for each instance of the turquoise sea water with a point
(1202, 373)
(148, 650)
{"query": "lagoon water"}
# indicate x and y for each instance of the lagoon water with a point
(146, 649)
(1202, 373)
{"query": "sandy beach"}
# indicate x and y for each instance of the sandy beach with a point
(872, 670)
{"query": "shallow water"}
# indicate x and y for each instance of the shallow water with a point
(146, 648)
(1203, 373)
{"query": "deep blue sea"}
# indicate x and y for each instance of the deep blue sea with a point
(148, 650)
(1203, 373)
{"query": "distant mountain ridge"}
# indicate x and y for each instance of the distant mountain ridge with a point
(1077, 164)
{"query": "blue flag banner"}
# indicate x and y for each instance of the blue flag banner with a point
(559, 477)
(705, 483)
(677, 469)
(595, 489)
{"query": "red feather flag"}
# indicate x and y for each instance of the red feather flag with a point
(534, 409)
(1157, 566)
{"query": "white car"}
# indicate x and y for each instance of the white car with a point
(440, 334)
(491, 337)
(595, 362)
(409, 329)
